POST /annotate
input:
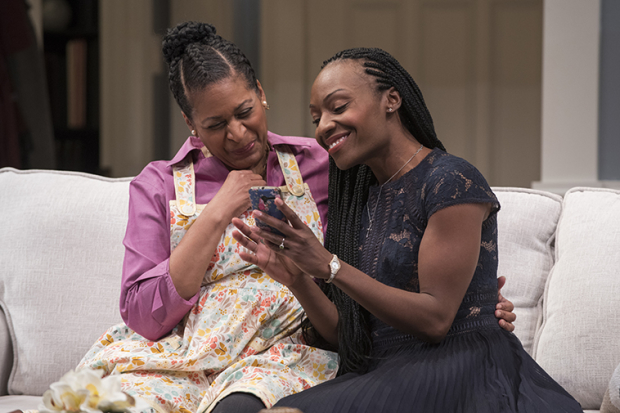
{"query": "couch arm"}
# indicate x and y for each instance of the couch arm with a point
(6, 354)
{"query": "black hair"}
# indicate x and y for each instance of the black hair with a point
(197, 57)
(348, 194)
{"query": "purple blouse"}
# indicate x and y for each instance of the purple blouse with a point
(149, 303)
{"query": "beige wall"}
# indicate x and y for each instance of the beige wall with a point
(477, 62)
(130, 59)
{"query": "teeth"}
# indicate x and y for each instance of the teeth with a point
(338, 141)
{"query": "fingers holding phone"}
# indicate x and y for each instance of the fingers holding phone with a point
(263, 199)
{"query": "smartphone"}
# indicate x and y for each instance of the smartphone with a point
(263, 199)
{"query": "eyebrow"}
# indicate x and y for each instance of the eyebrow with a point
(327, 97)
(219, 117)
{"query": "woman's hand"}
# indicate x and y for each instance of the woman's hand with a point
(233, 197)
(504, 308)
(278, 267)
(275, 262)
(299, 242)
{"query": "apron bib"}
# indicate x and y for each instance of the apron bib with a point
(241, 336)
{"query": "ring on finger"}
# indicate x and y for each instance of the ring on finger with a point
(282, 243)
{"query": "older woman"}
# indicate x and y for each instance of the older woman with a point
(205, 330)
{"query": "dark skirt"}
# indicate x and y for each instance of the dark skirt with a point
(480, 371)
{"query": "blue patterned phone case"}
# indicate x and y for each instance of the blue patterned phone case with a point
(263, 199)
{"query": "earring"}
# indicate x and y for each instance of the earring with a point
(389, 109)
(193, 132)
(265, 105)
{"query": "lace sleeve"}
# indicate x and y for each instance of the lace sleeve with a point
(454, 183)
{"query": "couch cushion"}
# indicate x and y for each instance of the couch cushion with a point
(12, 403)
(6, 353)
(579, 341)
(611, 400)
(526, 234)
(60, 268)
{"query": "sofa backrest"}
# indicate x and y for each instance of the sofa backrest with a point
(60, 268)
(526, 222)
(61, 257)
(561, 258)
(6, 354)
(578, 343)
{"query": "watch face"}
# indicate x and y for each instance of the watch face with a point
(335, 266)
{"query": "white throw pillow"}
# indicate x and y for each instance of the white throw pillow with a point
(526, 223)
(60, 268)
(579, 341)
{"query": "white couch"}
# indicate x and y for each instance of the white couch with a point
(61, 258)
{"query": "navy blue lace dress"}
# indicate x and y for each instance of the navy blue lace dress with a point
(478, 367)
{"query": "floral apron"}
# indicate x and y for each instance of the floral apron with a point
(241, 336)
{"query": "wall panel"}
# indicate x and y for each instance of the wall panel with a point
(477, 62)
(516, 92)
(447, 73)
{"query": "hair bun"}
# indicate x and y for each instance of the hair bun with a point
(182, 35)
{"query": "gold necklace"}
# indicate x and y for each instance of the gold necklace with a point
(372, 218)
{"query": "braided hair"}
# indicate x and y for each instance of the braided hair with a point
(197, 57)
(348, 194)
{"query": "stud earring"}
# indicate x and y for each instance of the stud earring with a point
(389, 109)
(265, 105)
(193, 132)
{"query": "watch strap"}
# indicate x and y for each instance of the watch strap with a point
(331, 270)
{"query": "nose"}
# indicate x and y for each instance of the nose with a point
(235, 131)
(324, 128)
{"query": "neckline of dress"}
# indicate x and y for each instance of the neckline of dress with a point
(393, 183)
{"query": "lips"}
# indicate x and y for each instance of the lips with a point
(245, 150)
(335, 141)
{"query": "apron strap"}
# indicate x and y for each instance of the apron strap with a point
(290, 170)
(184, 187)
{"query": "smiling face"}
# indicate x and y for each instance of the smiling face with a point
(230, 120)
(349, 114)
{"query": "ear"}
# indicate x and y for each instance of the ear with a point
(188, 122)
(261, 92)
(393, 100)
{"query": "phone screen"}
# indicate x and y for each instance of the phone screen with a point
(263, 199)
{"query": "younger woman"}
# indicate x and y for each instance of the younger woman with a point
(408, 277)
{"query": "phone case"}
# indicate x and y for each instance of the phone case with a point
(263, 199)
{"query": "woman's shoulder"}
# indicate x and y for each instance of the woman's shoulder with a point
(156, 172)
(301, 145)
(442, 166)
(450, 180)
(153, 174)
(441, 160)
(294, 141)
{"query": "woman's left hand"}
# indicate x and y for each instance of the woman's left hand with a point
(504, 308)
(299, 242)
